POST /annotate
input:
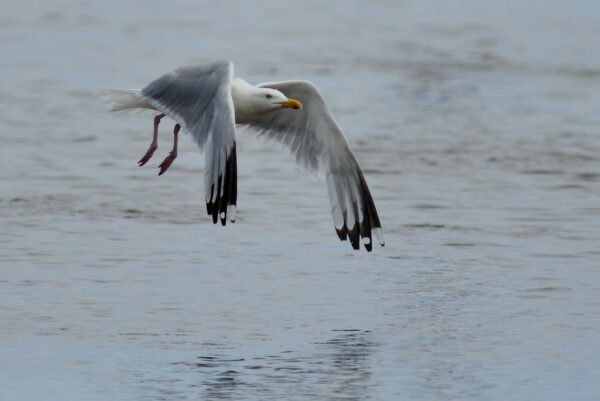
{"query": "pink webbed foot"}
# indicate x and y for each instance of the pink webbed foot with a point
(148, 155)
(154, 145)
(164, 166)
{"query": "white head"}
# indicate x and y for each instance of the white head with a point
(272, 99)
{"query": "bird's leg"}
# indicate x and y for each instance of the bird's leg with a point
(154, 144)
(164, 166)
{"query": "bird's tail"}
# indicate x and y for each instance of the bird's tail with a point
(123, 99)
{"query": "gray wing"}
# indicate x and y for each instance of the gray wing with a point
(319, 144)
(199, 98)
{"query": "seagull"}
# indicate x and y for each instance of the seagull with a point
(208, 101)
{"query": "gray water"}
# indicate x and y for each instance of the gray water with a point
(477, 124)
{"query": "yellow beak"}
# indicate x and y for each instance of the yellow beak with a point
(291, 104)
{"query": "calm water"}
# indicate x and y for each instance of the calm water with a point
(478, 128)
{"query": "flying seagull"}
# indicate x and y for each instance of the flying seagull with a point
(207, 101)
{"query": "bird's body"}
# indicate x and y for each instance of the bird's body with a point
(208, 101)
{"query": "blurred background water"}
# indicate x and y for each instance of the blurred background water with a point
(477, 124)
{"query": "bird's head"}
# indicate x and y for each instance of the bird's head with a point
(273, 99)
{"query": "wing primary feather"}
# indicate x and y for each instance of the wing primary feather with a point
(229, 186)
(343, 232)
(215, 206)
(225, 197)
(365, 224)
(370, 206)
(367, 207)
(353, 233)
(233, 172)
(209, 203)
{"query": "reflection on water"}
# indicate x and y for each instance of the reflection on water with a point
(350, 374)
(337, 369)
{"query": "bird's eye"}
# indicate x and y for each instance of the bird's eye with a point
(268, 96)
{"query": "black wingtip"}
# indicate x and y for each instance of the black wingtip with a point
(342, 234)
(214, 217)
(367, 243)
(368, 227)
(353, 235)
(218, 209)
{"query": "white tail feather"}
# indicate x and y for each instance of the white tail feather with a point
(123, 99)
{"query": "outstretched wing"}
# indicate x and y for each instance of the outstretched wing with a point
(319, 144)
(199, 98)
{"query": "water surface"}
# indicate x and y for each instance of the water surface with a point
(477, 127)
